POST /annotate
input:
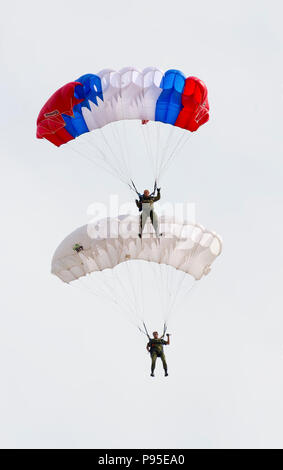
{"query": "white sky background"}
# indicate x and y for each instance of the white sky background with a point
(73, 372)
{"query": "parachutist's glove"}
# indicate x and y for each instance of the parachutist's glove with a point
(139, 205)
(168, 334)
(158, 190)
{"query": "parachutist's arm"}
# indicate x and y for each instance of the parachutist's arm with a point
(138, 203)
(168, 339)
(148, 347)
(156, 198)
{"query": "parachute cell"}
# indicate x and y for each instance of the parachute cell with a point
(195, 105)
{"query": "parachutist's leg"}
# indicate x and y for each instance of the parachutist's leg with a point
(154, 221)
(140, 232)
(162, 356)
(144, 216)
(153, 361)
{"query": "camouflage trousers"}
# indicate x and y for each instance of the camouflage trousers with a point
(154, 356)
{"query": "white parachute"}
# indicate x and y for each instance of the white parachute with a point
(108, 259)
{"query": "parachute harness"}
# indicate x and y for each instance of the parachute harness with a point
(145, 332)
(132, 186)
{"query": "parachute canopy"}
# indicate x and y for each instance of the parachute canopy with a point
(92, 101)
(184, 246)
(143, 279)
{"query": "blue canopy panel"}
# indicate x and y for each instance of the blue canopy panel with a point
(90, 90)
(169, 103)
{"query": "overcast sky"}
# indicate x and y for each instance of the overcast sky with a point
(73, 372)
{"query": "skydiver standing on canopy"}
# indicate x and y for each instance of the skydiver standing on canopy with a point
(155, 348)
(146, 207)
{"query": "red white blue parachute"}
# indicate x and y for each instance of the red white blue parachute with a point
(95, 101)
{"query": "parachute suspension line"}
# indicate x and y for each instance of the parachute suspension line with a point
(120, 299)
(157, 275)
(162, 290)
(168, 289)
(115, 156)
(141, 290)
(97, 160)
(193, 286)
(144, 133)
(98, 295)
(161, 286)
(113, 292)
(136, 303)
(175, 152)
(108, 295)
(143, 332)
(115, 300)
(164, 330)
(170, 155)
(144, 325)
(163, 281)
(157, 150)
(165, 294)
(179, 297)
(151, 152)
(130, 303)
(109, 291)
(133, 187)
(119, 160)
(155, 188)
(104, 168)
(125, 139)
(167, 155)
(174, 297)
(131, 306)
(165, 148)
(142, 302)
(98, 292)
(172, 290)
(118, 136)
(183, 297)
(82, 286)
(151, 132)
(172, 303)
(94, 146)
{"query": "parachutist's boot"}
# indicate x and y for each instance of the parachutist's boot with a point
(166, 374)
(140, 235)
(152, 374)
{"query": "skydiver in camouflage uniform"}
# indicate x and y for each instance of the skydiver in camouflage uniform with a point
(145, 206)
(155, 348)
